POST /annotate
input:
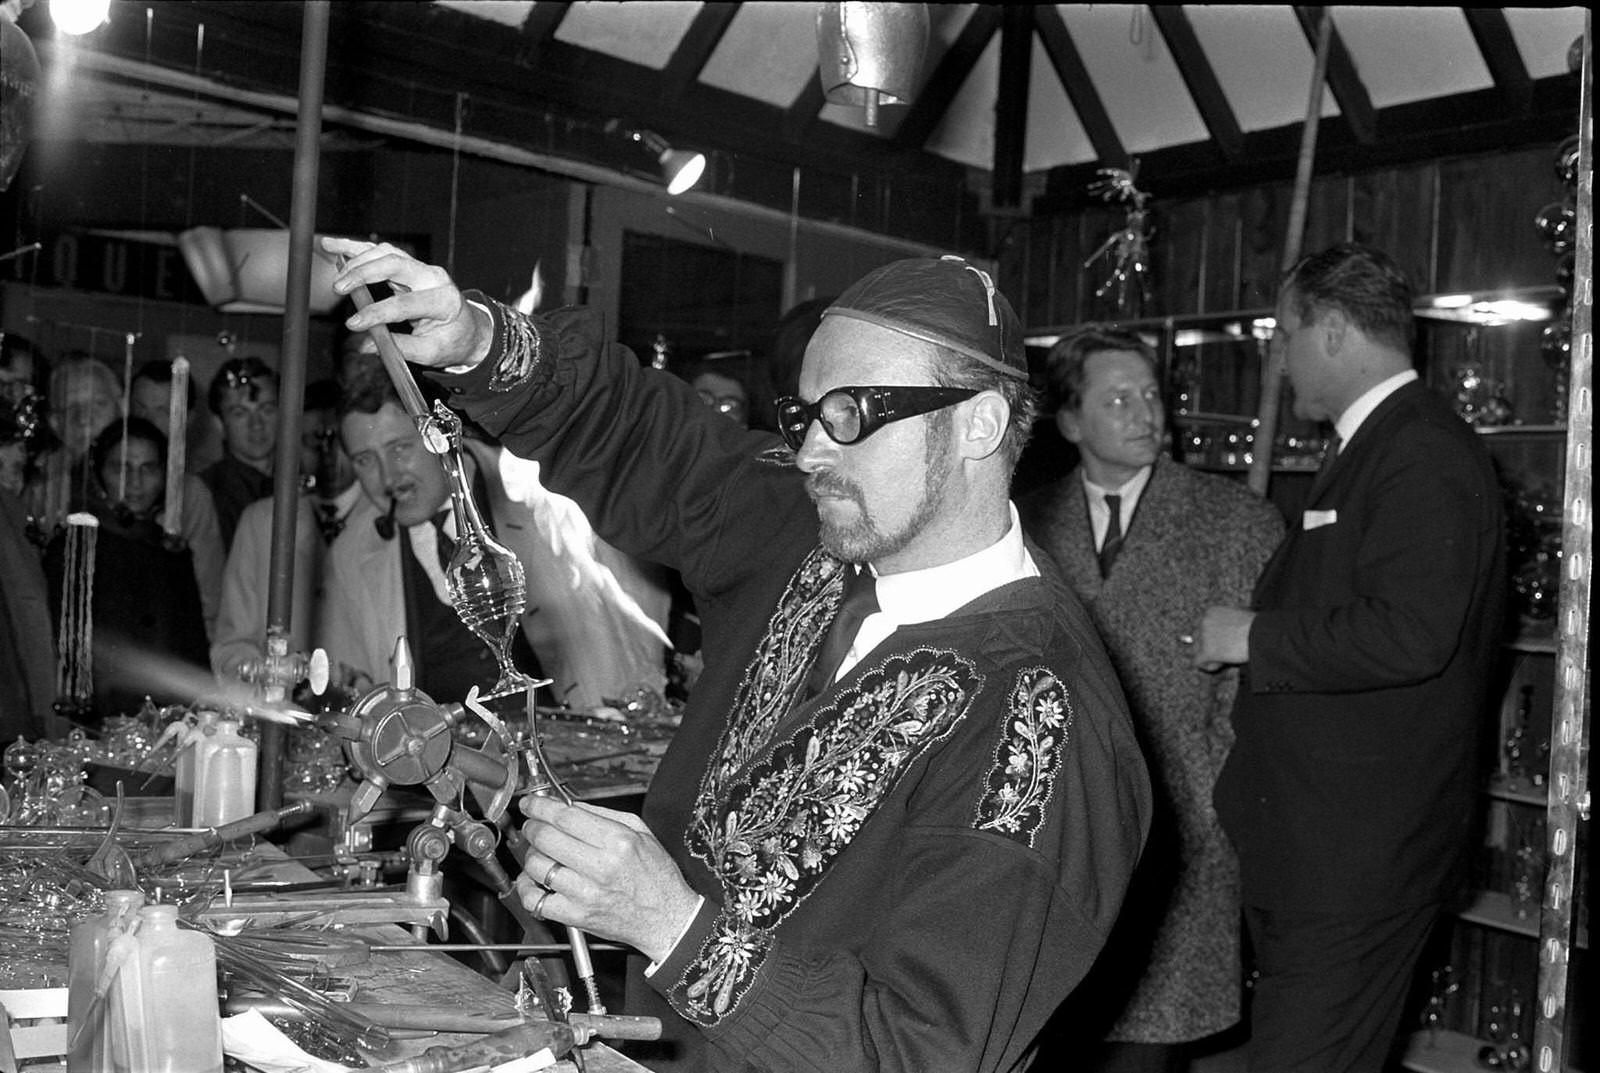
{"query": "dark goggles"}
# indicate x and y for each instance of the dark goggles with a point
(851, 414)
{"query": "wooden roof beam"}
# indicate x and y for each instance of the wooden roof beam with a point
(1493, 34)
(1355, 104)
(1011, 105)
(698, 43)
(1200, 78)
(934, 98)
(1074, 76)
(539, 28)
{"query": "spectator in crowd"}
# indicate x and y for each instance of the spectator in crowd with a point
(244, 397)
(27, 639)
(1367, 648)
(1150, 544)
(329, 495)
(24, 370)
(147, 612)
(592, 624)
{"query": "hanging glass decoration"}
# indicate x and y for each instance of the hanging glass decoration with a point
(75, 639)
(1127, 250)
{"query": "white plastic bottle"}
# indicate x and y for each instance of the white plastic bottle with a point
(190, 742)
(86, 962)
(225, 776)
(164, 1017)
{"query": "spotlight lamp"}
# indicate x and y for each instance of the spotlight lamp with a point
(681, 168)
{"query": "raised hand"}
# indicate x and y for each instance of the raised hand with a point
(445, 329)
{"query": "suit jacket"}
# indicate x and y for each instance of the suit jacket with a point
(1352, 778)
(595, 637)
(246, 585)
(1195, 540)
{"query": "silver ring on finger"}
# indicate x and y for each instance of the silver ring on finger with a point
(548, 882)
(538, 907)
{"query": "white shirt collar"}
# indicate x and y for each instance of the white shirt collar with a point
(1099, 512)
(1357, 412)
(935, 591)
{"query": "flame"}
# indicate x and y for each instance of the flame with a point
(531, 297)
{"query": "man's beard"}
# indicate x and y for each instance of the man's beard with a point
(861, 540)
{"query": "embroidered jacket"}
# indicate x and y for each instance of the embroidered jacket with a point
(914, 868)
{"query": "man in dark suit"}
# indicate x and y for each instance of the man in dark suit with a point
(1367, 649)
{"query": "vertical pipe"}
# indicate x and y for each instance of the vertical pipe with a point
(292, 379)
(1272, 366)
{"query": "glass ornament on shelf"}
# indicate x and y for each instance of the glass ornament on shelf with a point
(1567, 161)
(1477, 399)
(1555, 346)
(1514, 749)
(1557, 224)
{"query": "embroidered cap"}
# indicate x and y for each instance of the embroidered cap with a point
(942, 300)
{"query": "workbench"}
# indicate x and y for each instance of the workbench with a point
(419, 977)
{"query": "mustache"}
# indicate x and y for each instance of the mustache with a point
(826, 483)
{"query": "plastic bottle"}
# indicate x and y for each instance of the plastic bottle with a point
(183, 776)
(225, 776)
(86, 959)
(164, 1015)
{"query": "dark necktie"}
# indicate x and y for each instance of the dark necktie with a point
(860, 599)
(446, 546)
(1329, 455)
(1113, 541)
(329, 522)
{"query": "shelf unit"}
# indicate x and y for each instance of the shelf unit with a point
(1498, 946)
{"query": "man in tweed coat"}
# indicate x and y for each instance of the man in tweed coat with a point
(1180, 541)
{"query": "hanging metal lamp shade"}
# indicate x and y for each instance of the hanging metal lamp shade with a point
(871, 54)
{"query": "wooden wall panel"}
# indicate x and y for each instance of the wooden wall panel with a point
(1486, 235)
(1264, 216)
(1327, 215)
(1178, 247)
(1219, 290)
(1394, 211)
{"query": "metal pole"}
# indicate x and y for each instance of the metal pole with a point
(1568, 803)
(1271, 362)
(292, 378)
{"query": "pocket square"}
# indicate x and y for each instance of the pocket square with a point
(1316, 519)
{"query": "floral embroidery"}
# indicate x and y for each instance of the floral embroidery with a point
(1027, 757)
(779, 667)
(520, 347)
(729, 955)
(773, 813)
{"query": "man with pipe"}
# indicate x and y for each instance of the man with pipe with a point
(900, 857)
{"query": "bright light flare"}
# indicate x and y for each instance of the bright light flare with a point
(79, 16)
(534, 294)
(143, 671)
